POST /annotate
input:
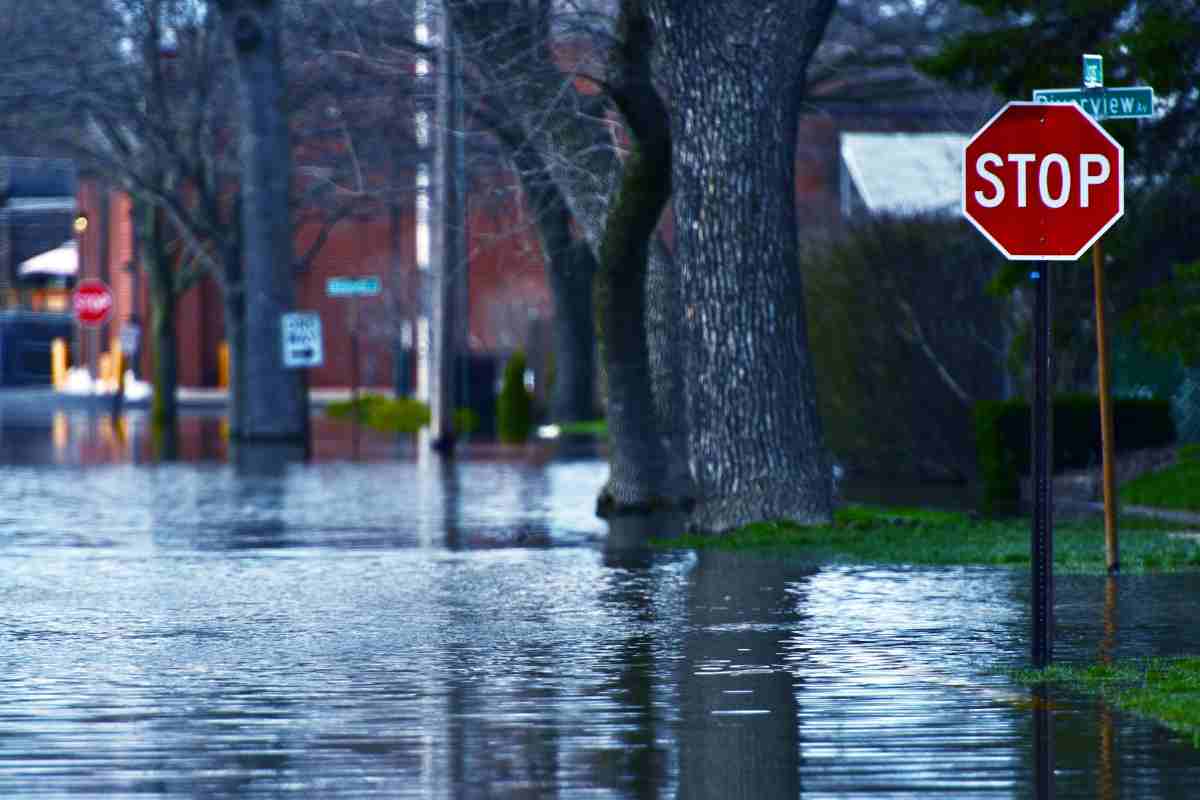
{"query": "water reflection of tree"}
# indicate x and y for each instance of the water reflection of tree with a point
(448, 475)
(490, 749)
(639, 768)
(741, 609)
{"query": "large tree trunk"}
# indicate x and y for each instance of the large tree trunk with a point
(570, 270)
(275, 407)
(640, 476)
(571, 276)
(639, 472)
(735, 78)
(164, 407)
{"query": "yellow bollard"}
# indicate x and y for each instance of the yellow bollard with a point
(118, 362)
(104, 368)
(223, 365)
(59, 359)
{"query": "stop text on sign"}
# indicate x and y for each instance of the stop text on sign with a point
(1053, 171)
(92, 302)
(1042, 181)
(93, 305)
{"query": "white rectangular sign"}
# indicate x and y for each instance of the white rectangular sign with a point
(302, 339)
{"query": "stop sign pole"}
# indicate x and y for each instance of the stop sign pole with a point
(1042, 183)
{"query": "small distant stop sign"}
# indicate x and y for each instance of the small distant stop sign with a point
(1043, 181)
(93, 302)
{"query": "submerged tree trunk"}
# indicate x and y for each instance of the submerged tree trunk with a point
(570, 270)
(735, 77)
(162, 330)
(164, 409)
(274, 406)
(640, 477)
(639, 473)
(574, 391)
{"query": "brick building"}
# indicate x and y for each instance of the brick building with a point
(506, 279)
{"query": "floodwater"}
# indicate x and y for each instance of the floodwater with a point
(401, 627)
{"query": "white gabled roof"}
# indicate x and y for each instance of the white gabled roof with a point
(906, 173)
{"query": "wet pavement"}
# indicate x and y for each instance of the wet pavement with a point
(400, 627)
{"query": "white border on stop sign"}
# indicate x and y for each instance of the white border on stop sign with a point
(1120, 182)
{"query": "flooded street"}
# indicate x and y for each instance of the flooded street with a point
(399, 627)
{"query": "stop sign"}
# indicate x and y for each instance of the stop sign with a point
(92, 301)
(1043, 181)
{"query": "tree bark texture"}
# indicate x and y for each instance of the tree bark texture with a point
(735, 78)
(162, 332)
(640, 470)
(570, 269)
(275, 406)
(164, 411)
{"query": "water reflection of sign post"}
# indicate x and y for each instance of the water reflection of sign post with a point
(1042, 182)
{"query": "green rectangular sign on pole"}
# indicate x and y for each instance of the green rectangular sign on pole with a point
(1093, 71)
(350, 287)
(1128, 102)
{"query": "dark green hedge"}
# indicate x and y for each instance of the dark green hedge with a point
(1002, 439)
(514, 407)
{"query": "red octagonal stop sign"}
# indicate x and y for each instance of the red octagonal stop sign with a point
(93, 301)
(1043, 181)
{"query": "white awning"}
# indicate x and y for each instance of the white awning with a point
(62, 261)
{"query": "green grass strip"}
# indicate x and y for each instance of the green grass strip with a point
(593, 427)
(866, 534)
(1176, 487)
(1162, 689)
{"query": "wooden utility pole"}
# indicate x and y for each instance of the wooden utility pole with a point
(448, 259)
(1107, 434)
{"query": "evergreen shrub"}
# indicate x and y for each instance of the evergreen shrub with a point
(1003, 439)
(514, 408)
(901, 328)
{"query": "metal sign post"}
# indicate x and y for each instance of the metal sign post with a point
(1043, 183)
(354, 287)
(1042, 529)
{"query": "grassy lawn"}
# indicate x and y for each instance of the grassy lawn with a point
(1176, 487)
(1167, 690)
(594, 427)
(913, 536)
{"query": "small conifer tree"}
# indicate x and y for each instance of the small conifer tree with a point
(514, 409)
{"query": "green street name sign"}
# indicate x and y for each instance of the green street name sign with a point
(350, 287)
(1124, 103)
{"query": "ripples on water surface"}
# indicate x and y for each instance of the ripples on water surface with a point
(403, 628)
